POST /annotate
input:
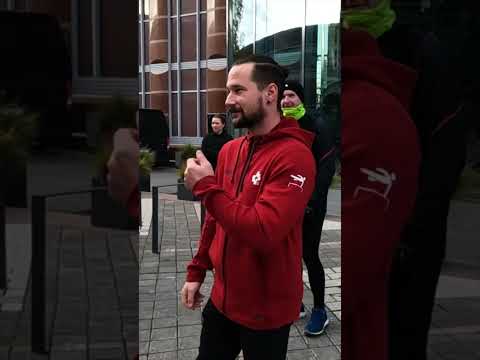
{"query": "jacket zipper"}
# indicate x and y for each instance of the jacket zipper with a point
(239, 188)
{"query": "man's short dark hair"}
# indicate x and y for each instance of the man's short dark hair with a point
(219, 116)
(266, 71)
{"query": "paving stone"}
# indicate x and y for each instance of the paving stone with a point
(164, 333)
(327, 353)
(296, 343)
(157, 346)
(188, 342)
(301, 355)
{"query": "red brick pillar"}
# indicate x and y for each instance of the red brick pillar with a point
(157, 33)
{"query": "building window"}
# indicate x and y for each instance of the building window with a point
(98, 45)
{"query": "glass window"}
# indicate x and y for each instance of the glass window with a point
(189, 114)
(158, 29)
(189, 79)
(203, 114)
(174, 115)
(146, 8)
(173, 32)
(203, 36)
(20, 5)
(112, 46)
(85, 61)
(203, 79)
(241, 28)
(174, 80)
(188, 6)
(189, 39)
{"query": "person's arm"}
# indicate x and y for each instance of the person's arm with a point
(265, 224)
(122, 167)
(201, 262)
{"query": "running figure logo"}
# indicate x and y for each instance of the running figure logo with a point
(298, 181)
(256, 178)
(381, 176)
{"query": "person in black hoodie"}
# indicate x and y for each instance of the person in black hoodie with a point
(323, 149)
(213, 142)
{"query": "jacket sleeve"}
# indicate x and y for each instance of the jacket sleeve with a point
(278, 209)
(201, 262)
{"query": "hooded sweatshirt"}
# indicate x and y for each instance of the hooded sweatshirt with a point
(252, 235)
(380, 164)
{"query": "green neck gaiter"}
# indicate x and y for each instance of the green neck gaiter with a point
(296, 112)
(376, 21)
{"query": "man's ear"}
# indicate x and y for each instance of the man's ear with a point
(272, 91)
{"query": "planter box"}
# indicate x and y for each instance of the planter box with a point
(106, 212)
(183, 193)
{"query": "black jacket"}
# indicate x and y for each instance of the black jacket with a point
(211, 145)
(323, 149)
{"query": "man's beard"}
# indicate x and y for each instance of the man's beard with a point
(251, 120)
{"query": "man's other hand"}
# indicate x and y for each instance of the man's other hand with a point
(123, 171)
(191, 297)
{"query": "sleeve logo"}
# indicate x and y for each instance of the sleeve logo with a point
(298, 181)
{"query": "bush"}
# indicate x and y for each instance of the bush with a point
(189, 151)
(147, 159)
(17, 128)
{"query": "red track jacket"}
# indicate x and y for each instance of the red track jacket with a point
(252, 236)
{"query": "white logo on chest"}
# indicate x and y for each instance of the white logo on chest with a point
(256, 178)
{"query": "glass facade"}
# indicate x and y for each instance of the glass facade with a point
(303, 37)
(186, 46)
(182, 62)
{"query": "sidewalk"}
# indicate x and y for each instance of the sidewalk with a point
(169, 331)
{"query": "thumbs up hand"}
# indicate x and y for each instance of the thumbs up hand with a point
(197, 169)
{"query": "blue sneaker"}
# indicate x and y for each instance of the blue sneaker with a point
(318, 322)
(303, 312)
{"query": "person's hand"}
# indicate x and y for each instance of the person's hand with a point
(197, 169)
(191, 297)
(123, 173)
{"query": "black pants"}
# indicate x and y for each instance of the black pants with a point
(312, 231)
(415, 273)
(222, 339)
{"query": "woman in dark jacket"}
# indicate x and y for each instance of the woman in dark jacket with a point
(213, 142)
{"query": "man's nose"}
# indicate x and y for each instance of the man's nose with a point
(229, 101)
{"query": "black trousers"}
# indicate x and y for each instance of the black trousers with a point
(413, 282)
(312, 232)
(222, 339)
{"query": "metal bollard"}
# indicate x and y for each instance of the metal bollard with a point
(38, 275)
(155, 220)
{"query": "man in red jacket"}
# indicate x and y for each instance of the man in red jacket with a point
(252, 236)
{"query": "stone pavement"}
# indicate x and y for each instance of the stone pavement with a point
(168, 331)
(91, 297)
(455, 331)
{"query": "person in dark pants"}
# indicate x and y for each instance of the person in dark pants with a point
(251, 237)
(323, 150)
(213, 142)
(441, 57)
